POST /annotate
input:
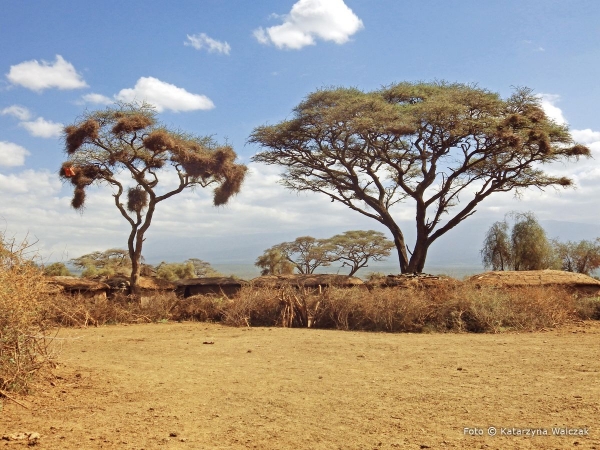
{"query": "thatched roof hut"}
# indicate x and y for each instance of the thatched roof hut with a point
(310, 281)
(412, 281)
(573, 281)
(144, 283)
(75, 285)
(228, 286)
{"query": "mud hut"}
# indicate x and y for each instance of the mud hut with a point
(412, 281)
(228, 286)
(149, 287)
(311, 281)
(77, 286)
(575, 282)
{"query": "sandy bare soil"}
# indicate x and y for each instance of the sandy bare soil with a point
(196, 386)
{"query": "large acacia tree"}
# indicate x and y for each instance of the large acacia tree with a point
(127, 148)
(443, 148)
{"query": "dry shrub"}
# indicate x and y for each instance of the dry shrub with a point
(491, 310)
(450, 307)
(79, 310)
(254, 307)
(381, 309)
(23, 332)
(443, 307)
(201, 308)
(588, 308)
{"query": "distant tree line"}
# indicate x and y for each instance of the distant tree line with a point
(116, 262)
(353, 248)
(527, 247)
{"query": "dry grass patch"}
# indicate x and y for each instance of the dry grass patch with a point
(23, 331)
(442, 307)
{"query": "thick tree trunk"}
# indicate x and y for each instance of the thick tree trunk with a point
(417, 259)
(134, 289)
(136, 241)
(400, 244)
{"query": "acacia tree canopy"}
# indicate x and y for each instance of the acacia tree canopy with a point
(274, 262)
(126, 147)
(306, 253)
(356, 248)
(114, 261)
(442, 148)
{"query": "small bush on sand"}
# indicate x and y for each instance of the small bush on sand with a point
(23, 331)
(588, 308)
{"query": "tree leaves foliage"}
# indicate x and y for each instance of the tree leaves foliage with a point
(443, 146)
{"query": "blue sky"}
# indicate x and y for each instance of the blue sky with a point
(223, 67)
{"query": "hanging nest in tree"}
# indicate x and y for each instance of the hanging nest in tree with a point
(67, 170)
(231, 186)
(76, 135)
(85, 175)
(115, 157)
(565, 182)
(232, 175)
(137, 199)
(535, 114)
(542, 140)
(579, 150)
(159, 141)
(514, 121)
(511, 139)
(131, 123)
(78, 198)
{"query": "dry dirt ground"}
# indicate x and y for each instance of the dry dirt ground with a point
(205, 386)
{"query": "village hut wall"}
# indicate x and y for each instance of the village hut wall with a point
(228, 286)
(75, 286)
(311, 282)
(577, 283)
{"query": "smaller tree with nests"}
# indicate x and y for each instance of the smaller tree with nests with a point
(356, 248)
(127, 148)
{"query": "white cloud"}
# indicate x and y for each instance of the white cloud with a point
(20, 112)
(588, 137)
(43, 128)
(164, 96)
(200, 41)
(97, 99)
(45, 75)
(329, 20)
(12, 155)
(551, 110)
